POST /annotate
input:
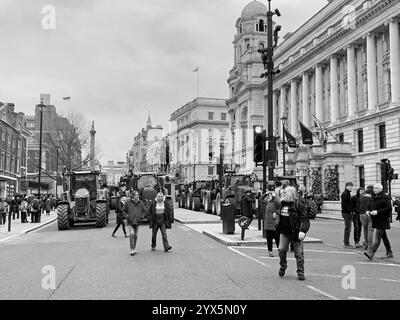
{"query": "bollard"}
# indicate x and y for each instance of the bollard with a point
(9, 222)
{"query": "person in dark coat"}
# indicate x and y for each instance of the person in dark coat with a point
(292, 226)
(396, 205)
(271, 206)
(120, 217)
(356, 217)
(246, 204)
(133, 211)
(161, 216)
(364, 203)
(347, 214)
(380, 211)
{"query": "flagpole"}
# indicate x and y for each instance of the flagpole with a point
(198, 82)
(325, 128)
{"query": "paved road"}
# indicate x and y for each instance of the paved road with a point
(89, 264)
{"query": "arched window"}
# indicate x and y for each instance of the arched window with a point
(261, 25)
(244, 114)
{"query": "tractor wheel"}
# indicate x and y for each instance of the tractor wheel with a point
(62, 217)
(196, 204)
(207, 204)
(313, 209)
(213, 207)
(101, 215)
(218, 204)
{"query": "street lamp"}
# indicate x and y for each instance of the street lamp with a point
(57, 148)
(283, 119)
(41, 105)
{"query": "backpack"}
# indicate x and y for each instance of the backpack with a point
(35, 204)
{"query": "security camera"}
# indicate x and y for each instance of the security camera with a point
(277, 12)
(278, 28)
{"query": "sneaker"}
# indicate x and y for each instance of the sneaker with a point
(271, 254)
(169, 248)
(153, 249)
(113, 235)
(389, 255)
(369, 255)
(133, 252)
(358, 245)
(301, 277)
(348, 246)
(281, 272)
(126, 236)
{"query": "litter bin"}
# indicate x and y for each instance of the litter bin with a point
(228, 218)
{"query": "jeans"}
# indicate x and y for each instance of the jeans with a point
(348, 220)
(298, 253)
(368, 230)
(272, 234)
(117, 227)
(163, 230)
(3, 218)
(381, 234)
(133, 235)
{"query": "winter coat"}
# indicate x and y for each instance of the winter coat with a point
(356, 203)
(247, 209)
(270, 207)
(133, 212)
(168, 213)
(364, 203)
(47, 205)
(298, 218)
(382, 204)
(347, 204)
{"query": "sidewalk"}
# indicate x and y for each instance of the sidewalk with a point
(211, 226)
(330, 216)
(18, 228)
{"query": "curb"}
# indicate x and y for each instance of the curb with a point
(329, 218)
(196, 221)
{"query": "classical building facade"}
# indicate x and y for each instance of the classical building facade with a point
(341, 68)
(114, 172)
(198, 135)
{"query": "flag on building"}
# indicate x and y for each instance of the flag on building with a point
(306, 134)
(196, 69)
(291, 140)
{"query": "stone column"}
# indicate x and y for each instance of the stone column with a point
(371, 72)
(282, 107)
(351, 81)
(306, 100)
(334, 90)
(318, 93)
(293, 107)
(394, 59)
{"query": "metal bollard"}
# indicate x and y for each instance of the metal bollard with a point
(9, 222)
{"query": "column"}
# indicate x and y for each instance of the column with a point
(282, 107)
(394, 59)
(306, 100)
(334, 90)
(318, 93)
(371, 73)
(351, 81)
(293, 107)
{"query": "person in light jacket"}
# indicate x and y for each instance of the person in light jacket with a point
(161, 217)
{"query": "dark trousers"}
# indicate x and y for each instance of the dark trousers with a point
(350, 219)
(163, 230)
(117, 227)
(381, 235)
(272, 234)
(3, 218)
(15, 212)
(298, 253)
(23, 217)
(34, 216)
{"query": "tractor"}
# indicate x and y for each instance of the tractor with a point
(209, 195)
(196, 194)
(83, 200)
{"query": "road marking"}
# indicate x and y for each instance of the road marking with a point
(380, 264)
(358, 298)
(341, 276)
(387, 280)
(323, 293)
(276, 258)
(306, 250)
(251, 258)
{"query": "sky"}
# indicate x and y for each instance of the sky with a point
(120, 60)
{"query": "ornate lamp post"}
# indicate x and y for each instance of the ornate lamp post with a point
(283, 119)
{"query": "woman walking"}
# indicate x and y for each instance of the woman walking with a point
(120, 217)
(161, 217)
(271, 207)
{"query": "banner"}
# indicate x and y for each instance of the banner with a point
(306, 134)
(290, 139)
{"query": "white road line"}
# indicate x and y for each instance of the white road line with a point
(276, 258)
(359, 298)
(251, 258)
(380, 264)
(341, 276)
(387, 280)
(323, 293)
(306, 250)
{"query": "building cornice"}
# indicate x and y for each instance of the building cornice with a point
(201, 123)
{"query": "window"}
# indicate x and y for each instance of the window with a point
(3, 135)
(223, 116)
(361, 175)
(260, 26)
(382, 136)
(340, 137)
(2, 161)
(210, 171)
(360, 139)
(210, 149)
(8, 164)
(211, 116)
(9, 138)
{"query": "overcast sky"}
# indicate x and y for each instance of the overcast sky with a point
(120, 59)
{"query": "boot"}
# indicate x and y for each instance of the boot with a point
(369, 254)
(389, 255)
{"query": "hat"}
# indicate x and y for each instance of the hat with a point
(348, 184)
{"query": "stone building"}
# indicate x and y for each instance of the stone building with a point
(340, 68)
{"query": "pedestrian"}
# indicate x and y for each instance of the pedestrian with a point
(380, 210)
(246, 204)
(364, 204)
(161, 217)
(396, 204)
(120, 218)
(3, 211)
(24, 210)
(347, 214)
(35, 210)
(292, 227)
(271, 206)
(133, 212)
(14, 208)
(356, 217)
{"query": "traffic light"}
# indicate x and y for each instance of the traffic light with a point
(384, 170)
(259, 138)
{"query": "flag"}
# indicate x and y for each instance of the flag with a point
(306, 134)
(196, 70)
(66, 98)
(291, 140)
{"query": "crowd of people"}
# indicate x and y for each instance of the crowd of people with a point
(26, 207)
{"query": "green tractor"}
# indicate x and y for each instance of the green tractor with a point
(83, 200)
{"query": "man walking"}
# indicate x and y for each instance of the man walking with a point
(347, 214)
(3, 211)
(380, 211)
(364, 204)
(133, 211)
(120, 217)
(161, 217)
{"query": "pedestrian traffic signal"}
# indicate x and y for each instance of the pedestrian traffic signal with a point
(259, 144)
